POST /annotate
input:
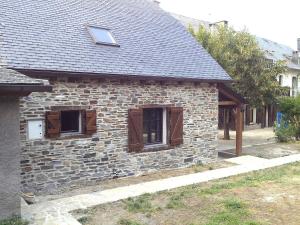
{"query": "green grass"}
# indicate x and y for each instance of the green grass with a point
(128, 222)
(14, 221)
(252, 179)
(141, 204)
(235, 212)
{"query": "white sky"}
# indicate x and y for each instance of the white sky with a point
(277, 20)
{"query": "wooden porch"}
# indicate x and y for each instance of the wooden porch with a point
(231, 101)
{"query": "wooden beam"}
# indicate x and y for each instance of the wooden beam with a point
(226, 103)
(228, 95)
(239, 129)
(226, 124)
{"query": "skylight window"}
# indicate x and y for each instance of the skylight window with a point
(102, 36)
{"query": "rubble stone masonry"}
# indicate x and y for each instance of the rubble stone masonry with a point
(50, 165)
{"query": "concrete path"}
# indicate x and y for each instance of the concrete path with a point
(250, 138)
(56, 212)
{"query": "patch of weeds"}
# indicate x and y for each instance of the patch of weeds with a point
(199, 167)
(140, 204)
(83, 220)
(175, 201)
(235, 213)
(13, 221)
(128, 222)
(234, 204)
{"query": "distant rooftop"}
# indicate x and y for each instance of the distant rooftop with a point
(276, 51)
(273, 50)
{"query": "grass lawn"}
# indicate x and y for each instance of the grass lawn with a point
(264, 197)
(13, 221)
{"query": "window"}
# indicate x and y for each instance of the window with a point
(294, 86)
(70, 121)
(102, 36)
(154, 128)
(280, 80)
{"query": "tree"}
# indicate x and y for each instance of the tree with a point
(239, 54)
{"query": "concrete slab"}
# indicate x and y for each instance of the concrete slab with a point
(247, 159)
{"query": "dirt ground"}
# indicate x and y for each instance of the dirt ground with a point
(108, 184)
(265, 197)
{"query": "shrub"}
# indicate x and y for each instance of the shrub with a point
(290, 125)
(285, 132)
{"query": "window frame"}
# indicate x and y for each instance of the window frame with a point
(80, 130)
(164, 131)
(87, 122)
(114, 41)
(294, 86)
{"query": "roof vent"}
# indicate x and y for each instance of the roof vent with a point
(156, 2)
(298, 44)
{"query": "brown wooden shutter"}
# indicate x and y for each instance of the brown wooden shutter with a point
(135, 130)
(176, 125)
(53, 124)
(90, 121)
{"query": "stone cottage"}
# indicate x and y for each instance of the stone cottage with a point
(132, 90)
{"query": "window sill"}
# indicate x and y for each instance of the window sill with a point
(71, 136)
(156, 148)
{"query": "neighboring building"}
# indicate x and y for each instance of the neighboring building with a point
(132, 90)
(274, 52)
(12, 86)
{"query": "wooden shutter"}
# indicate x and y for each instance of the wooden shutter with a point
(90, 121)
(176, 125)
(135, 130)
(53, 124)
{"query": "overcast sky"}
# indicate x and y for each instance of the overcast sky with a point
(277, 20)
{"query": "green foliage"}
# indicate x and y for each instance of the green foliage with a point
(239, 54)
(83, 220)
(285, 133)
(290, 107)
(128, 222)
(14, 221)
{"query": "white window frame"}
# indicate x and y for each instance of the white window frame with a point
(79, 126)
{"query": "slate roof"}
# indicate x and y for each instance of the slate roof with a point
(11, 77)
(187, 21)
(52, 35)
(276, 51)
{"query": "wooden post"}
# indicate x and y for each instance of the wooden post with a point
(239, 130)
(226, 124)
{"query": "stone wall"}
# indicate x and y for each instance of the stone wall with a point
(52, 164)
(9, 157)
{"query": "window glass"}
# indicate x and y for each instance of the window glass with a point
(70, 121)
(294, 86)
(101, 35)
(153, 126)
